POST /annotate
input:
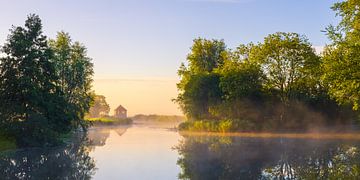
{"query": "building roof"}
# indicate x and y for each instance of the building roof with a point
(120, 108)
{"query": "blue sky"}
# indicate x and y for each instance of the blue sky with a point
(138, 45)
(150, 38)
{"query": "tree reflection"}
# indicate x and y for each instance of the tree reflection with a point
(70, 161)
(99, 135)
(263, 158)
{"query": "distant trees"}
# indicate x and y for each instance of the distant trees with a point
(99, 108)
(44, 90)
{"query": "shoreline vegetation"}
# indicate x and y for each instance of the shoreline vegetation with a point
(109, 121)
(158, 118)
(241, 126)
(309, 135)
(277, 84)
(45, 87)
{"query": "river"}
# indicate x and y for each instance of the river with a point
(145, 151)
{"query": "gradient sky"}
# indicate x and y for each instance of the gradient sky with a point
(137, 45)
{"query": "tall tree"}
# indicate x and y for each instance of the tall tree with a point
(75, 71)
(284, 58)
(30, 99)
(342, 57)
(199, 85)
(206, 55)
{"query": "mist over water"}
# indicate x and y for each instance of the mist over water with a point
(155, 151)
(140, 153)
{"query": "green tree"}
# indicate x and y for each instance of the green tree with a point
(206, 55)
(241, 78)
(342, 57)
(284, 58)
(100, 107)
(75, 71)
(200, 94)
(199, 85)
(30, 100)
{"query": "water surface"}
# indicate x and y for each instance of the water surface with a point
(145, 151)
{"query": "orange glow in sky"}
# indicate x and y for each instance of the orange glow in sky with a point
(140, 96)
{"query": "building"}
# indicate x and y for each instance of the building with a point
(120, 112)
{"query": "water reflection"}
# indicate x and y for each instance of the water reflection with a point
(214, 157)
(97, 136)
(71, 161)
(110, 153)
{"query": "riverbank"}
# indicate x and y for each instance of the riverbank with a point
(236, 126)
(330, 136)
(109, 121)
(217, 126)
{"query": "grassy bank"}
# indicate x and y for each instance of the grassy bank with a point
(109, 121)
(217, 126)
(230, 126)
(7, 143)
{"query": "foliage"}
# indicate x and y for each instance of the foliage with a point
(241, 80)
(29, 96)
(341, 58)
(275, 84)
(44, 90)
(75, 71)
(284, 58)
(206, 55)
(200, 93)
(99, 108)
(198, 87)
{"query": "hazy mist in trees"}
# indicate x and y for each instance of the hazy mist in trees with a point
(280, 83)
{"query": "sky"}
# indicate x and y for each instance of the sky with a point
(138, 45)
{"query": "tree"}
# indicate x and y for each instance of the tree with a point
(200, 94)
(30, 99)
(45, 90)
(342, 57)
(75, 72)
(241, 78)
(206, 55)
(284, 58)
(199, 85)
(100, 107)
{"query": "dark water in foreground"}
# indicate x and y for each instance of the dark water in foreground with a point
(145, 152)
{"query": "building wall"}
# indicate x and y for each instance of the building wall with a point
(121, 114)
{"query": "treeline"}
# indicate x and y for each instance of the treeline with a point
(279, 83)
(156, 117)
(45, 85)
